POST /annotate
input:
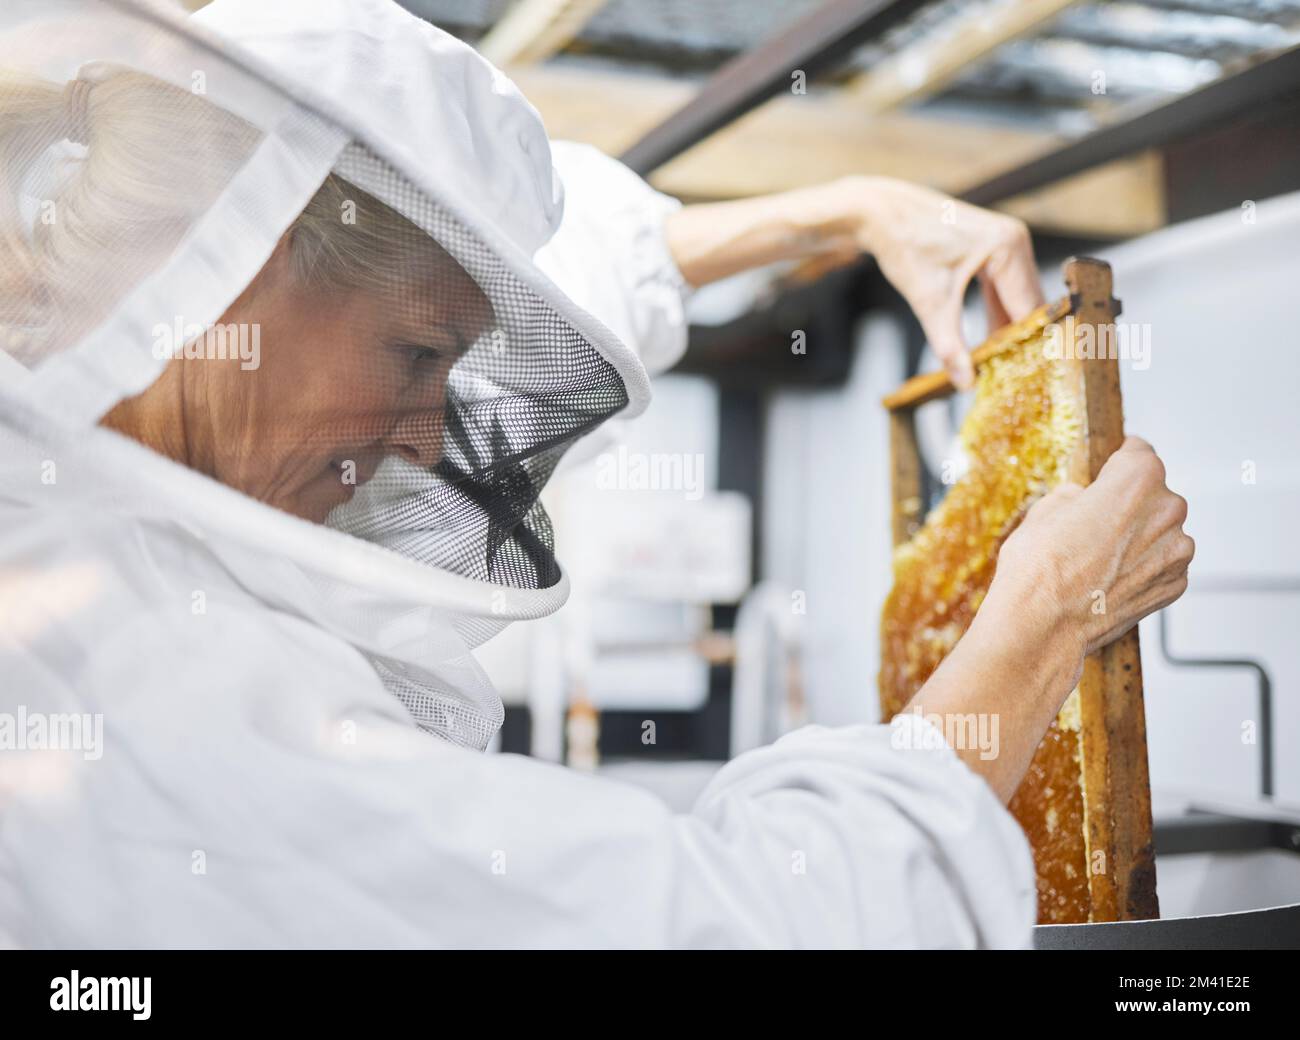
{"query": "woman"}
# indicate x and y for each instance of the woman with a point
(254, 575)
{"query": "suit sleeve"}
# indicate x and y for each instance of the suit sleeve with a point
(611, 257)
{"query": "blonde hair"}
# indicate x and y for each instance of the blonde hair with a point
(156, 157)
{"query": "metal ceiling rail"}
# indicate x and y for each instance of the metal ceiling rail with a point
(1223, 99)
(813, 44)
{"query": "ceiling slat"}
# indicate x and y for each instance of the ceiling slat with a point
(533, 30)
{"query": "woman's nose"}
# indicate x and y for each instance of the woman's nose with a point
(417, 437)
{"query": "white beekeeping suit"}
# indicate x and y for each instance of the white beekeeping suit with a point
(283, 385)
(611, 257)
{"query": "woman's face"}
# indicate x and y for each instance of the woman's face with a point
(342, 380)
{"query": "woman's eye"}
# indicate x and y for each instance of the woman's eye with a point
(423, 354)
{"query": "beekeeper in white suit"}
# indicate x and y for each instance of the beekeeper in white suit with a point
(282, 384)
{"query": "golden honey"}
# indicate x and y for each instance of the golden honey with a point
(1019, 436)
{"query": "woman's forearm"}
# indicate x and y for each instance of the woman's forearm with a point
(1005, 680)
(710, 241)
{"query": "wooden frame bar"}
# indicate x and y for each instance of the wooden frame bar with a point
(1113, 767)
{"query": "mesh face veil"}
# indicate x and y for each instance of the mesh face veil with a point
(297, 271)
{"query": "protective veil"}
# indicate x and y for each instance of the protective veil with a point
(280, 384)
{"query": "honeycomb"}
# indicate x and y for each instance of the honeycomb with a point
(1019, 436)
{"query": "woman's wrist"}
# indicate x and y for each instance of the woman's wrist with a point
(1027, 617)
(826, 218)
(866, 205)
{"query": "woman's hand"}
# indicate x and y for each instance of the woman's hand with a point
(930, 246)
(1081, 570)
(1099, 559)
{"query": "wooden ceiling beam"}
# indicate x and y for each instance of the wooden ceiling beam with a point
(797, 141)
(930, 63)
(533, 30)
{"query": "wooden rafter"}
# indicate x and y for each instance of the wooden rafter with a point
(932, 62)
(533, 30)
(795, 141)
